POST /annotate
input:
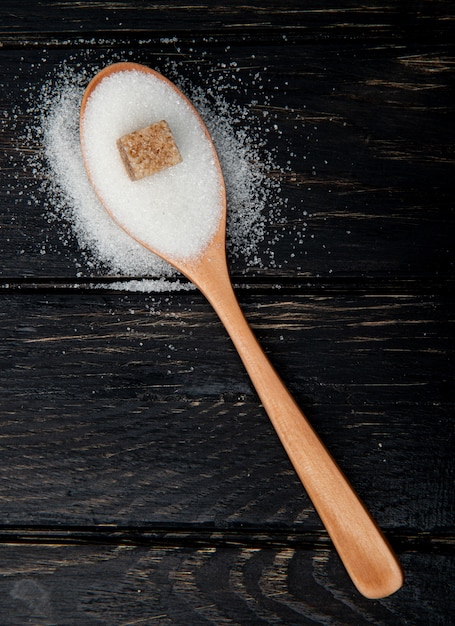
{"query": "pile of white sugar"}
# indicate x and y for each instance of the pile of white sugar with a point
(254, 202)
(175, 211)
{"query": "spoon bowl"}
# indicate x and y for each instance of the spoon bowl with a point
(368, 558)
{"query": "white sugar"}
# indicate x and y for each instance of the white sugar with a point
(253, 189)
(176, 211)
(73, 196)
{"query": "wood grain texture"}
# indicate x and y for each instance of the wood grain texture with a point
(140, 480)
(351, 18)
(175, 585)
(130, 386)
(370, 135)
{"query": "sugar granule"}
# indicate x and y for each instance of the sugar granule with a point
(250, 190)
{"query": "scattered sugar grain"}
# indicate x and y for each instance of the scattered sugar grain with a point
(253, 189)
(148, 285)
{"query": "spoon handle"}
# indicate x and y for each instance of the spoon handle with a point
(367, 556)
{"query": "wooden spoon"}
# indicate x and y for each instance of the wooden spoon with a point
(363, 549)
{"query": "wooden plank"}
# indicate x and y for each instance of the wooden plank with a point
(384, 210)
(125, 409)
(184, 585)
(354, 19)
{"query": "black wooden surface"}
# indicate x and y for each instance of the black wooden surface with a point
(140, 480)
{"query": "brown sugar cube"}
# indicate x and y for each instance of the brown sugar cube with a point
(149, 150)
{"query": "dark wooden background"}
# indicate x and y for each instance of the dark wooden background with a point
(140, 480)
